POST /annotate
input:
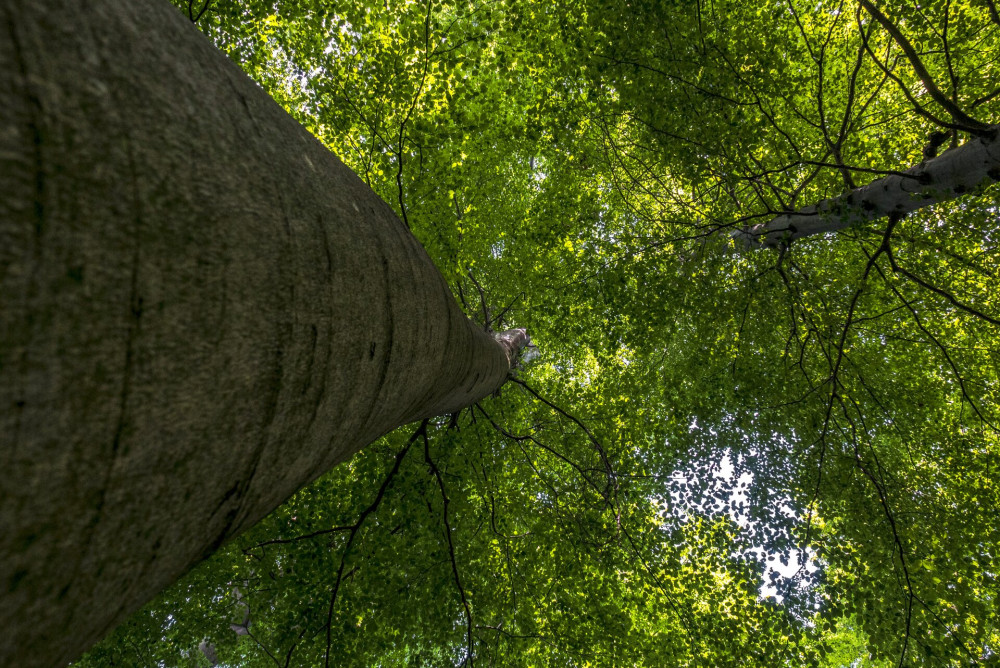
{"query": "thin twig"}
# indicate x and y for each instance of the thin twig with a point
(205, 8)
(451, 545)
(409, 113)
(421, 430)
(939, 291)
(969, 123)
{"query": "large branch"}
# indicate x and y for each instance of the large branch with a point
(953, 173)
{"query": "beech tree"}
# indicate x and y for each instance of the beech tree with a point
(701, 411)
(757, 248)
(203, 310)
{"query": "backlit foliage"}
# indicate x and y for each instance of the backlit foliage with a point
(698, 413)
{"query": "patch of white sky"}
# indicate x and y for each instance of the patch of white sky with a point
(333, 47)
(726, 492)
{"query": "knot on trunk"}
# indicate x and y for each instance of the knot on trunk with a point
(513, 342)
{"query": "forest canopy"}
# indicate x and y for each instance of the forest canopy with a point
(736, 442)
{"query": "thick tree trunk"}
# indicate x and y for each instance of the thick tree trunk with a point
(953, 173)
(201, 310)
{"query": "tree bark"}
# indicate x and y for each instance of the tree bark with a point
(953, 173)
(201, 311)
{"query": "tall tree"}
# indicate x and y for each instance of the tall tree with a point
(696, 411)
(202, 310)
(698, 415)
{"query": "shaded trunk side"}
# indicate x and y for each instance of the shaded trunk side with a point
(201, 310)
(953, 173)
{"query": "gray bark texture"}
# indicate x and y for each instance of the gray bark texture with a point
(955, 172)
(201, 310)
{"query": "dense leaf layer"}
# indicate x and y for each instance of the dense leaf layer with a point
(697, 413)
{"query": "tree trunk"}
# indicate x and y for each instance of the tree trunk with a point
(201, 311)
(953, 173)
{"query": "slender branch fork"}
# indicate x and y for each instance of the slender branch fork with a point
(596, 444)
(421, 431)
(470, 657)
(964, 120)
(609, 494)
(197, 17)
(409, 113)
(352, 531)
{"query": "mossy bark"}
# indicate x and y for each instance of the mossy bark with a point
(201, 310)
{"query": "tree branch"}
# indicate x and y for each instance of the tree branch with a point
(953, 109)
(939, 291)
(993, 11)
(421, 430)
(451, 545)
(191, 15)
(609, 469)
(953, 173)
